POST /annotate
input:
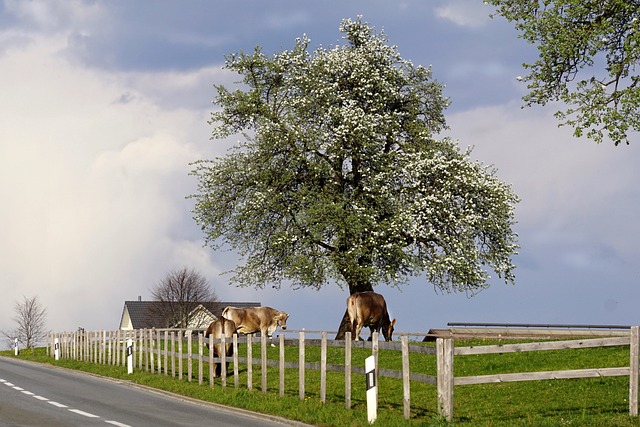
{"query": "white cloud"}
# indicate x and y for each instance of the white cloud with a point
(93, 190)
(173, 90)
(464, 13)
(575, 193)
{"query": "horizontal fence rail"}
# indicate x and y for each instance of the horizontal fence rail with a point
(536, 325)
(166, 351)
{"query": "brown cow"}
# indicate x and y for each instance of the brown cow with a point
(221, 328)
(253, 319)
(369, 309)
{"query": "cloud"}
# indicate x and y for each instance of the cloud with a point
(93, 190)
(190, 89)
(575, 194)
(464, 13)
(55, 15)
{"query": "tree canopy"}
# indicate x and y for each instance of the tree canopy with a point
(588, 52)
(339, 176)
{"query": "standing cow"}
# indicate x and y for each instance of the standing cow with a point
(369, 309)
(221, 328)
(253, 319)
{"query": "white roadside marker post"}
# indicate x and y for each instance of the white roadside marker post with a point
(56, 349)
(15, 346)
(372, 389)
(130, 356)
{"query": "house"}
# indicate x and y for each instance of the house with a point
(148, 314)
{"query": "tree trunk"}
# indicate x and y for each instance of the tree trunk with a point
(345, 325)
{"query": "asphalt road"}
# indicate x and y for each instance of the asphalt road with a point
(40, 395)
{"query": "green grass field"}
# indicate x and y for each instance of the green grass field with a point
(574, 402)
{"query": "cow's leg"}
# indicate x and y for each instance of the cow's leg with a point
(269, 335)
(354, 329)
(357, 330)
(216, 365)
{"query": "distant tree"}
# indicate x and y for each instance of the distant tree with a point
(30, 318)
(178, 293)
(589, 54)
(339, 175)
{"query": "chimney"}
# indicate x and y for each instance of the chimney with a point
(139, 297)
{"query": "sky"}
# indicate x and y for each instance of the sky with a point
(104, 105)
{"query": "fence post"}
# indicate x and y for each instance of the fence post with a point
(109, 335)
(323, 368)
(200, 354)
(152, 355)
(142, 356)
(263, 362)
(212, 367)
(166, 353)
(444, 352)
(250, 362)
(180, 360)
(173, 354)
(159, 346)
(281, 365)
(85, 346)
(189, 355)
(223, 360)
(406, 377)
(136, 348)
(118, 348)
(634, 344)
(375, 345)
(347, 369)
(301, 358)
(236, 377)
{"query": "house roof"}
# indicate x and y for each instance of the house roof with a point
(144, 314)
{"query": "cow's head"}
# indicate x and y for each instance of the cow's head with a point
(281, 319)
(387, 330)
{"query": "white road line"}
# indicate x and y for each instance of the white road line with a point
(59, 405)
(115, 423)
(86, 414)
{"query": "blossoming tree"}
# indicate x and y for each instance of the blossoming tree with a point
(339, 176)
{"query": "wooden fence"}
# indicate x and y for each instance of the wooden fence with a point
(149, 354)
